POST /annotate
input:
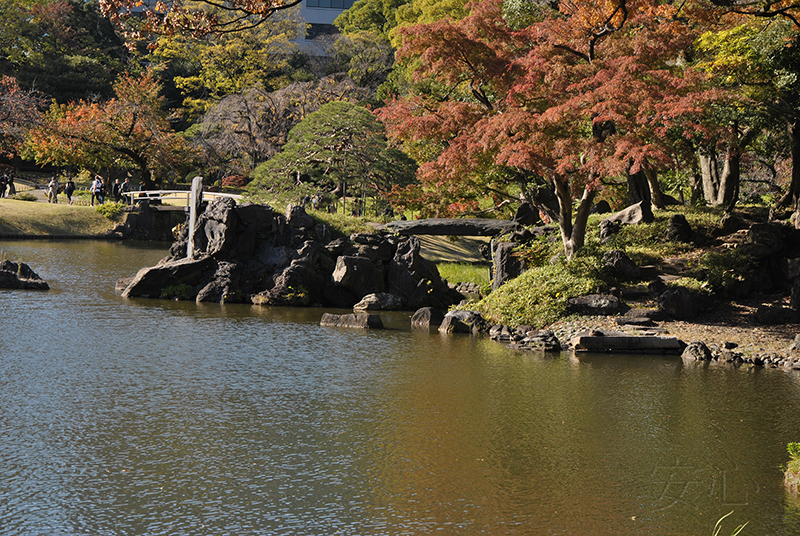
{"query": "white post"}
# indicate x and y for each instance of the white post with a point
(196, 198)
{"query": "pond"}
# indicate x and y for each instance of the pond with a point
(121, 417)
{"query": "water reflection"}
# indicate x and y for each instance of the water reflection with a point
(146, 417)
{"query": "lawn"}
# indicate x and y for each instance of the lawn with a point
(38, 218)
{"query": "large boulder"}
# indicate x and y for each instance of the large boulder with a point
(640, 212)
(154, 281)
(297, 216)
(679, 303)
(620, 266)
(679, 229)
(358, 275)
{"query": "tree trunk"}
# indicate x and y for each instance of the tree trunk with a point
(721, 188)
(638, 187)
(792, 195)
(573, 235)
(656, 196)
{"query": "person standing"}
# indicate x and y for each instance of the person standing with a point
(116, 190)
(12, 189)
(125, 189)
(3, 180)
(69, 189)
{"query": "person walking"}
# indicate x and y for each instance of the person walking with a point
(52, 190)
(69, 189)
(97, 190)
(12, 189)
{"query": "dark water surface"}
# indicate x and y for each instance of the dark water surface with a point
(128, 417)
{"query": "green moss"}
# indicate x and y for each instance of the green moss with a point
(791, 477)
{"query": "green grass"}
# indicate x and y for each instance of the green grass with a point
(460, 272)
(25, 218)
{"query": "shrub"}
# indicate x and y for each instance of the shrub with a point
(24, 196)
(111, 209)
(791, 477)
(539, 296)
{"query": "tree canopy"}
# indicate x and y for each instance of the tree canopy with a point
(129, 131)
(339, 145)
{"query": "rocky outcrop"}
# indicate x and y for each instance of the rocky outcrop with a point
(505, 264)
(20, 276)
(249, 253)
(463, 322)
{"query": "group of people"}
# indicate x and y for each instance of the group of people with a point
(97, 189)
(7, 185)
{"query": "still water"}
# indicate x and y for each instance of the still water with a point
(129, 417)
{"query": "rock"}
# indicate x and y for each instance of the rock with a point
(696, 351)
(297, 285)
(634, 321)
(152, 282)
(501, 333)
(620, 265)
(427, 317)
(296, 216)
(640, 212)
(678, 303)
(463, 322)
(223, 285)
(730, 223)
(382, 301)
(358, 275)
(772, 315)
(763, 240)
(679, 229)
(355, 321)
(608, 229)
(506, 265)
(538, 340)
(20, 276)
(627, 343)
(651, 314)
(601, 207)
(594, 304)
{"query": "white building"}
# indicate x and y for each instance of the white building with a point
(320, 14)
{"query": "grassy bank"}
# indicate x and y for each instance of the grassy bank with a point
(38, 219)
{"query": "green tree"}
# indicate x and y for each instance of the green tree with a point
(245, 129)
(341, 146)
(207, 69)
(63, 48)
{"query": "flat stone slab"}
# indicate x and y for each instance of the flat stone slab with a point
(628, 344)
(354, 320)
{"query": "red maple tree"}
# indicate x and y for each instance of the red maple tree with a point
(589, 90)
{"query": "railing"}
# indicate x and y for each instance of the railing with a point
(169, 195)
